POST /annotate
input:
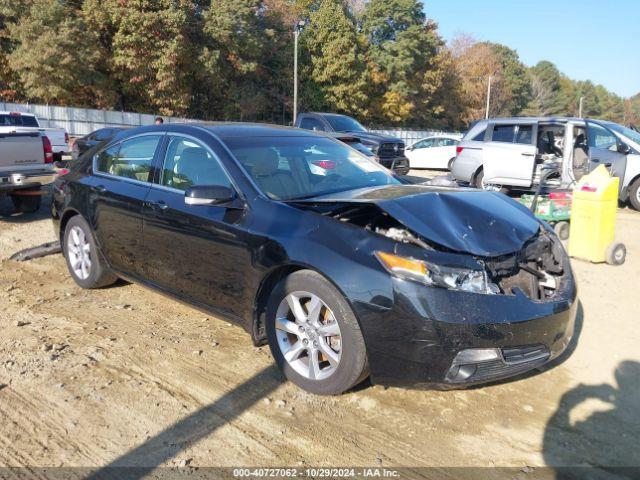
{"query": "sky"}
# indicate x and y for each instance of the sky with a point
(586, 39)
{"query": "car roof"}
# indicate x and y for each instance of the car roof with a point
(17, 112)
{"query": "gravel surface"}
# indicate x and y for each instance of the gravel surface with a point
(125, 376)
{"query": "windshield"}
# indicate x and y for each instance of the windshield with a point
(627, 132)
(342, 123)
(293, 168)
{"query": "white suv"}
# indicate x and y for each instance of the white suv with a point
(515, 153)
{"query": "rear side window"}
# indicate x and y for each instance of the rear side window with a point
(524, 134)
(503, 133)
(448, 142)
(130, 159)
(480, 137)
(311, 124)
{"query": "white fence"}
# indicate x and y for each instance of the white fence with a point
(81, 121)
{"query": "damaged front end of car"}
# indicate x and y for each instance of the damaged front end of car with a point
(481, 289)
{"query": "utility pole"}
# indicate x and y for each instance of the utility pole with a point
(580, 107)
(296, 34)
(486, 115)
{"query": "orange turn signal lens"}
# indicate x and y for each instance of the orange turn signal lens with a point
(395, 263)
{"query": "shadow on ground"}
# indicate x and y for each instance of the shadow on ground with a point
(596, 429)
(188, 431)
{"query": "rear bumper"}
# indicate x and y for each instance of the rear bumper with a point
(18, 180)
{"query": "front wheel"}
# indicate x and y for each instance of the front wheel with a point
(85, 263)
(314, 335)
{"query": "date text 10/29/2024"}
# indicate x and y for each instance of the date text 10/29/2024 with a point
(310, 472)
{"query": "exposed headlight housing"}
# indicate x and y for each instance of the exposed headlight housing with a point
(475, 281)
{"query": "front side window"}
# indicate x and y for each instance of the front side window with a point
(188, 163)
(316, 166)
(424, 144)
(130, 159)
(503, 133)
(600, 137)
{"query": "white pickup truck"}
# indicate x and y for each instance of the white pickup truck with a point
(13, 122)
(26, 164)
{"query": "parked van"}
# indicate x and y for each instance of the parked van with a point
(515, 153)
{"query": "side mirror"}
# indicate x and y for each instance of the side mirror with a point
(624, 148)
(209, 195)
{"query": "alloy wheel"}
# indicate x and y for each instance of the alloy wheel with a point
(308, 335)
(79, 251)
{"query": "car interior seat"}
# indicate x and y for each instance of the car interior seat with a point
(276, 183)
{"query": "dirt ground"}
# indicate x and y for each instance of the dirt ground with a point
(124, 376)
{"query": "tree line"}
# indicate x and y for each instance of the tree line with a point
(382, 61)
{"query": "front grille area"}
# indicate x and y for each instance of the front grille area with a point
(390, 149)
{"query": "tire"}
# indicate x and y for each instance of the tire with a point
(450, 164)
(616, 253)
(26, 203)
(330, 377)
(634, 194)
(79, 238)
(478, 184)
(562, 230)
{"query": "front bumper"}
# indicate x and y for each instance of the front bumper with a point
(36, 178)
(400, 164)
(424, 338)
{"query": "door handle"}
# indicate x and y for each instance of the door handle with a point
(595, 160)
(159, 205)
(99, 188)
(524, 154)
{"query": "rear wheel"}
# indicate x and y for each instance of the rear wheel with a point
(85, 263)
(634, 194)
(314, 335)
(450, 164)
(26, 203)
(490, 187)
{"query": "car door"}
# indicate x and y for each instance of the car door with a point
(603, 147)
(198, 252)
(118, 189)
(509, 154)
(419, 154)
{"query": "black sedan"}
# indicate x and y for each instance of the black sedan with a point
(314, 248)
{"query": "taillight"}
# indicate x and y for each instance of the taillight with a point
(48, 150)
(66, 137)
(326, 164)
(459, 150)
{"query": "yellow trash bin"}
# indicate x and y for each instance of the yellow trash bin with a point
(593, 219)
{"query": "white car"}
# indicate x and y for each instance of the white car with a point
(433, 152)
(23, 122)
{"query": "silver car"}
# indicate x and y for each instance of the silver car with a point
(515, 153)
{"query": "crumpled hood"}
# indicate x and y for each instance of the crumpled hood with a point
(485, 224)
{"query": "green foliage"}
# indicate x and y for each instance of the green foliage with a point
(381, 61)
(334, 62)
